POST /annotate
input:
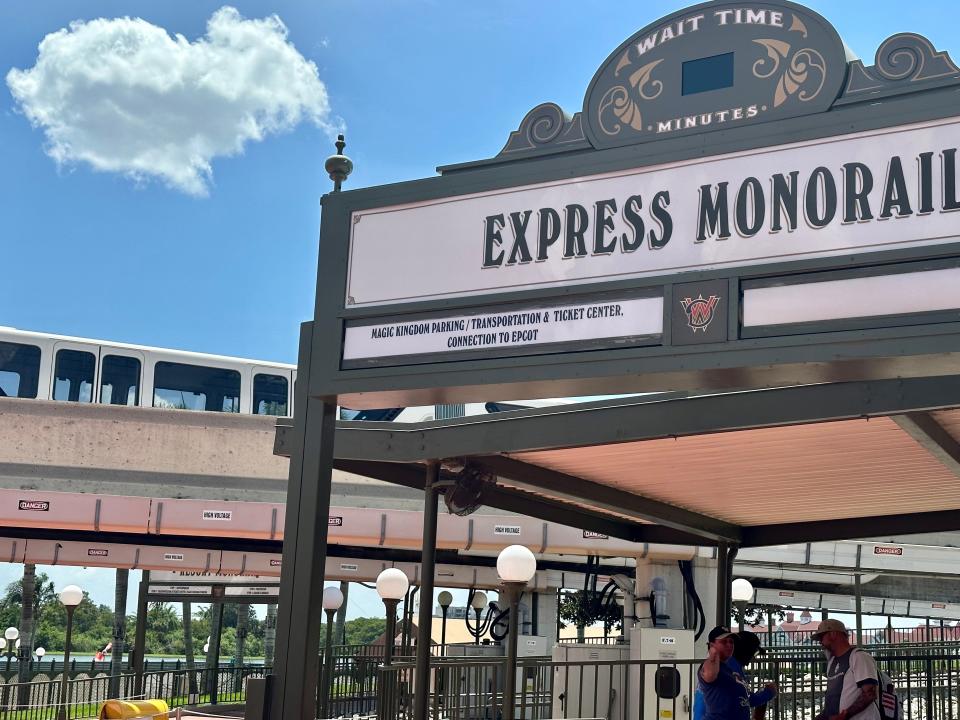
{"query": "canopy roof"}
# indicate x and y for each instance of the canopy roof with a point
(759, 467)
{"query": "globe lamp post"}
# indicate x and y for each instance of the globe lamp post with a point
(516, 566)
(70, 597)
(478, 602)
(445, 599)
(741, 593)
(392, 585)
(10, 636)
(332, 600)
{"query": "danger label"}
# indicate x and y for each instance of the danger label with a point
(37, 505)
(590, 535)
(175, 557)
(506, 529)
(218, 514)
(335, 521)
(275, 563)
(98, 552)
(887, 550)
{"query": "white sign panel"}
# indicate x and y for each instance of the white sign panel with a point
(179, 590)
(868, 191)
(581, 322)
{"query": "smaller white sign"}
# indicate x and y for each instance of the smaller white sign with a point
(531, 643)
(506, 529)
(349, 567)
(179, 590)
(668, 640)
(583, 322)
(253, 591)
(218, 514)
(175, 557)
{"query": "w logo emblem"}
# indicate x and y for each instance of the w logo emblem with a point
(699, 311)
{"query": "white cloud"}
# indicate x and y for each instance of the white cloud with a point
(124, 96)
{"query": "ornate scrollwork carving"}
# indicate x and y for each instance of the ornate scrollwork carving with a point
(545, 127)
(901, 59)
(803, 75)
(623, 101)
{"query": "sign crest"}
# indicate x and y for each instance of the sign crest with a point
(699, 311)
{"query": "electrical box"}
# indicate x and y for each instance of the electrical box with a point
(584, 689)
(667, 682)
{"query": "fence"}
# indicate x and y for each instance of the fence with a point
(42, 699)
(928, 685)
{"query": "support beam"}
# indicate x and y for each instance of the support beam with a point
(561, 486)
(525, 503)
(932, 437)
(140, 638)
(294, 691)
(421, 678)
(851, 528)
(640, 418)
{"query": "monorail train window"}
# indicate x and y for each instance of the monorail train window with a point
(73, 376)
(269, 394)
(119, 380)
(19, 370)
(195, 387)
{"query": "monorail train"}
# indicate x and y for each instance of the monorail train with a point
(56, 367)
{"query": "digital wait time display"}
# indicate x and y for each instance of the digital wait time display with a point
(709, 73)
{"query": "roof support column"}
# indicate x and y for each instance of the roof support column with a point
(726, 554)
(421, 678)
(294, 684)
(140, 638)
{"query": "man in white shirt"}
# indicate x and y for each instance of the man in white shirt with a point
(852, 682)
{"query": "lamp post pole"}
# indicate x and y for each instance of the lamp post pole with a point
(70, 597)
(445, 599)
(332, 600)
(516, 566)
(391, 632)
(392, 585)
(512, 590)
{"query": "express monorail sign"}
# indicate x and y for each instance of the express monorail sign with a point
(883, 189)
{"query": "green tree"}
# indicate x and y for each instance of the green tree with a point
(584, 607)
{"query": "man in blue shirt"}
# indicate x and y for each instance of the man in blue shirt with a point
(722, 698)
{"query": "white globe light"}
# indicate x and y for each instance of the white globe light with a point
(40, 652)
(741, 590)
(71, 596)
(516, 564)
(479, 600)
(445, 598)
(392, 584)
(332, 598)
(11, 633)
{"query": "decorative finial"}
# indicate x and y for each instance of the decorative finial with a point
(338, 166)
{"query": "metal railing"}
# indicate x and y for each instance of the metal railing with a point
(42, 699)
(928, 685)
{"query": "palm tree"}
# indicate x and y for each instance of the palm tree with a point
(188, 645)
(269, 635)
(27, 608)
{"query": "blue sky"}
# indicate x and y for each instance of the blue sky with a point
(128, 236)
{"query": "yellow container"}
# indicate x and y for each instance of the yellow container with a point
(112, 709)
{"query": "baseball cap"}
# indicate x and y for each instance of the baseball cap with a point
(719, 633)
(829, 625)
